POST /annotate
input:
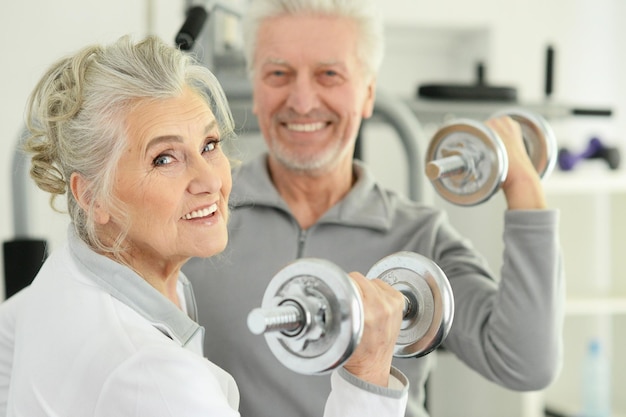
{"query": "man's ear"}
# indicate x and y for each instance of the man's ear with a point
(79, 186)
(370, 98)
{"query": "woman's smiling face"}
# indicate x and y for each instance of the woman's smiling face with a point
(175, 181)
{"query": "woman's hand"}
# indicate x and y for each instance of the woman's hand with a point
(383, 308)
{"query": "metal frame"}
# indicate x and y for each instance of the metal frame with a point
(19, 189)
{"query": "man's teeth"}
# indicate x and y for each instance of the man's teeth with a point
(201, 213)
(309, 127)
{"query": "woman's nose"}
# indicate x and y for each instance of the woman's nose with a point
(204, 176)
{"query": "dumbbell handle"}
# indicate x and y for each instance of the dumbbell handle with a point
(290, 318)
(287, 318)
(445, 167)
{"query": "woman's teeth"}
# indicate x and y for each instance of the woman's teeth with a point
(201, 213)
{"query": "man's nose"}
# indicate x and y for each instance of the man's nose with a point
(303, 95)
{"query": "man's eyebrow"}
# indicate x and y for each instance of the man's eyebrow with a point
(282, 62)
(275, 61)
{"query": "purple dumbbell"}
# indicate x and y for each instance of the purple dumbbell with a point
(595, 150)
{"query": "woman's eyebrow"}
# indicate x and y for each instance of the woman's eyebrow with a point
(165, 138)
(177, 138)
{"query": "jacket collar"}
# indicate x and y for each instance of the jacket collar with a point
(366, 205)
(126, 286)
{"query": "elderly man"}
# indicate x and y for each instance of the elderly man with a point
(313, 66)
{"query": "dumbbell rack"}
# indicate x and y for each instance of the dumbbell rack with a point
(592, 226)
(433, 111)
(596, 294)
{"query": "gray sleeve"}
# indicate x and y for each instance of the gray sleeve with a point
(510, 329)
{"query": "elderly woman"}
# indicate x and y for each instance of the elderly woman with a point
(132, 133)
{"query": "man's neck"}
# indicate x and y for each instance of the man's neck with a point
(310, 195)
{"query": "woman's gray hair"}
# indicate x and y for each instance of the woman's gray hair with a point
(363, 13)
(76, 119)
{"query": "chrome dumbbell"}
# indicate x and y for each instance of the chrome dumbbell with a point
(312, 313)
(467, 162)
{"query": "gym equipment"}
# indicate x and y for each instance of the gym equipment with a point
(188, 33)
(480, 91)
(595, 150)
(312, 313)
(467, 162)
(201, 34)
(24, 254)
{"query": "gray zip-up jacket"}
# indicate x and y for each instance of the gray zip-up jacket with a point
(506, 328)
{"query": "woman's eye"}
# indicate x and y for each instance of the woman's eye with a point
(210, 146)
(162, 160)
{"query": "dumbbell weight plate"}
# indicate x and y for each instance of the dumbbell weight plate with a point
(479, 182)
(539, 139)
(422, 281)
(328, 292)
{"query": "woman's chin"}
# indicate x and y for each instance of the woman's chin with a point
(212, 248)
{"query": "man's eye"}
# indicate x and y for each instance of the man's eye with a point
(276, 77)
(162, 160)
(330, 77)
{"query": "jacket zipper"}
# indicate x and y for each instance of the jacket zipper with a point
(301, 240)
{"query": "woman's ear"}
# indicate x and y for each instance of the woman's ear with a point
(79, 186)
